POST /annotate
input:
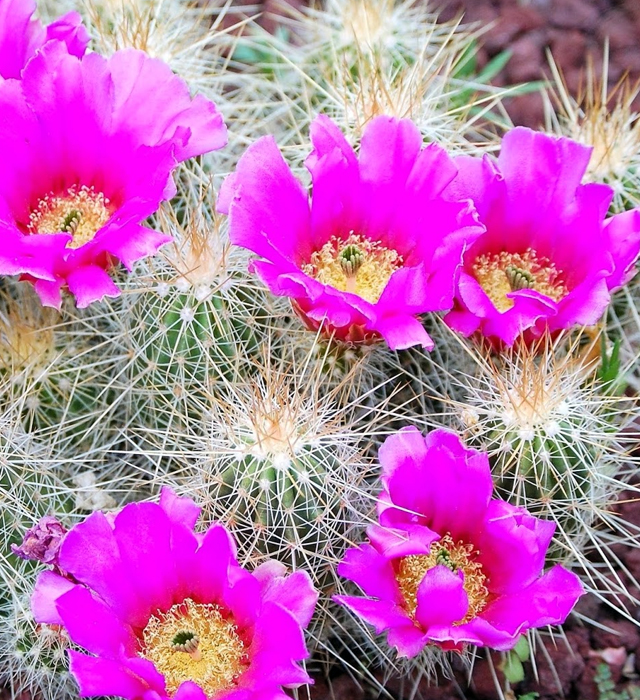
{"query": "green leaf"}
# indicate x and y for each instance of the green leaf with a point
(512, 668)
(495, 65)
(522, 648)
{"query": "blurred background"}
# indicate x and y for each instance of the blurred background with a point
(574, 31)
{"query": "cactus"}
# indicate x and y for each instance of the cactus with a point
(33, 657)
(604, 119)
(192, 319)
(55, 370)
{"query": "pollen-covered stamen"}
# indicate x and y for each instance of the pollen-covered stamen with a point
(456, 556)
(80, 211)
(500, 274)
(195, 642)
(356, 264)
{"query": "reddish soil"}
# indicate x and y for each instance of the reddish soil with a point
(573, 30)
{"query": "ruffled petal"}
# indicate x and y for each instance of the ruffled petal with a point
(513, 545)
(98, 676)
(269, 208)
(456, 483)
(91, 283)
(179, 510)
(49, 587)
(372, 571)
(624, 233)
(92, 625)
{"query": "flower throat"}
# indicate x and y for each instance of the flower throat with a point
(80, 211)
(357, 265)
(194, 642)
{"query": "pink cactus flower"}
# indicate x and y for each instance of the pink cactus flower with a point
(89, 146)
(449, 565)
(21, 35)
(549, 258)
(376, 245)
(165, 612)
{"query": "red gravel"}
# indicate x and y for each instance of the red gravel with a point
(572, 29)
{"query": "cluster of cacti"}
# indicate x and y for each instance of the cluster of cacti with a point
(143, 348)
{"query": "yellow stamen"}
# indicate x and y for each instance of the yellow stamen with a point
(455, 556)
(194, 642)
(80, 211)
(357, 265)
(500, 274)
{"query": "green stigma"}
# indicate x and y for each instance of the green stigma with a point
(519, 278)
(443, 558)
(351, 259)
(71, 221)
(185, 641)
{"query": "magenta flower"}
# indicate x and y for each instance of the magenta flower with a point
(88, 148)
(21, 36)
(548, 259)
(448, 564)
(165, 612)
(376, 245)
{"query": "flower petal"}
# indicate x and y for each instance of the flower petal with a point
(513, 545)
(441, 597)
(49, 587)
(92, 625)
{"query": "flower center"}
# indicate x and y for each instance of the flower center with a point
(500, 274)
(456, 556)
(80, 211)
(194, 642)
(356, 265)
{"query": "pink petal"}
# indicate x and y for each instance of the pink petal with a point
(211, 565)
(90, 553)
(189, 691)
(624, 233)
(70, 30)
(513, 545)
(372, 571)
(98, 676)
(394, 543)
(49, 587)
(547, 601)
(91, 283)
(142, 532)
(382, 614)
(155, 104)
(92, 625)
(295, 593)
(268, 207)
(442, 599)
(456, 483)
(179, 510)
(409, 640)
